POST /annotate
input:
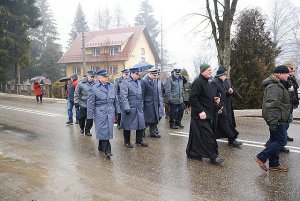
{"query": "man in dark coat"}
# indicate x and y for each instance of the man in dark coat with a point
(174, 93)
(102, 104)
(80, 100)
(132, 117)
(276, 110)
(222, 126)
(125, 74)
(151, 101)
(71, 90)
(202, 142)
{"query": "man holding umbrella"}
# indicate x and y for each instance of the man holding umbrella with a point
(80, 100)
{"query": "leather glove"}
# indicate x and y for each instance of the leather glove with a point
(273, 128)
(127, 112)
(76, 105)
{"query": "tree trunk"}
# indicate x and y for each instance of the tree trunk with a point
(17, 78)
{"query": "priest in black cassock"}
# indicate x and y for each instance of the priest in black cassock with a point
(202, 142)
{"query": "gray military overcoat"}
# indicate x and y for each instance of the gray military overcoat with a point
(101, 106)
(131, 99)
(151, 100)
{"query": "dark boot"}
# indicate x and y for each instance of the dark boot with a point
(126, 134)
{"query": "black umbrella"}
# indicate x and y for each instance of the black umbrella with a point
(64, 79)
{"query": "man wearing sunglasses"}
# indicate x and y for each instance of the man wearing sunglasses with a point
(151, 101)
(80, 100)
(174, 93)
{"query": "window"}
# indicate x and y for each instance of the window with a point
(77, 70)
(142, 51)
(112, 70)
(96, 52)
(114, 51)
(143, 59)
(95, 68)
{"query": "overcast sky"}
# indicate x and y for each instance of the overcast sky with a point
(179, 41)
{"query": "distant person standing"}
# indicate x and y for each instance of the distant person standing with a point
(186, 93)
(132, 117)
(38, 91)
(276, 110)
(80, 100)
(71, 90)
(125, 74)
(151, 101)
(202, 142)
(174, 93)
(102, 104)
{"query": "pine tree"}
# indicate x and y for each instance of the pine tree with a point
(145, 17)
(45, 52)
(79, 25)
(253, 57)
(17, 18)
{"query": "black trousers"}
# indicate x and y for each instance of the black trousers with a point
(39, 96)
(138, 138)
(119, 119)
(153, 128)
(176, 113)
(104, 145)
(84, 123)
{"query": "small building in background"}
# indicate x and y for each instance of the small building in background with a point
(113, 50)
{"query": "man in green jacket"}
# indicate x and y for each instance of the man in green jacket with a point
(276, 109)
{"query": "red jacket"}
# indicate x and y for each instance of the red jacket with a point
(37, 88)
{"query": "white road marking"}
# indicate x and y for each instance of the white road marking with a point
(245, 142)
(30, 111)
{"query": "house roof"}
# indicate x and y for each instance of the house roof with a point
(113, 37)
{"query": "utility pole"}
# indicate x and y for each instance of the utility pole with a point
(83, 53)
(161, 44)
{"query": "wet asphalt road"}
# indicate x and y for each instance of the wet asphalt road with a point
(43, 159)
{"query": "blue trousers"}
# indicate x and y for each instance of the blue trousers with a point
(70, 111)
(277, 140)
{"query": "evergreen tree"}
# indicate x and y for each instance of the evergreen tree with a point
(79, 25)
(45, 52)
(17, 18)
(145, 17)
(253, 57)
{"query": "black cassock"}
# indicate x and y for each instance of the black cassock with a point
(202, 142)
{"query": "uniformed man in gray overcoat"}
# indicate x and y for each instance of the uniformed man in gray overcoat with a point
(151, 101)
(80, 100)
(132, 117)
(102, 104)
(125, 74)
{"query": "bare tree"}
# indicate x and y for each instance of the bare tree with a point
(103, 19)
(284, 27)
(204, 55)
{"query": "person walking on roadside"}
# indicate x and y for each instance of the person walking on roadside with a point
(71, 90)
(151, 101)
(125, 74)
(186, 93)
(222, 126)
(38, 91)
(132, 117)
(80, 100)
(101, 106)
(174, 93)
(202, 142)
(276, 110)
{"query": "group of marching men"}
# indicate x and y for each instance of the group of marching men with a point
(137, 104)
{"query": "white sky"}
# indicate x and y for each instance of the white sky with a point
(181, 45)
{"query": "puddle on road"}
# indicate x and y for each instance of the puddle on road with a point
(31, 174)
(20, 133)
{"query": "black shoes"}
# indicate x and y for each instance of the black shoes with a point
(88, 133)
(82, 131)
(142, 144)
(155, 136)
(216, 161)
(180, 125)
(284, 150)
(128, 145)
(76, 122)
(69, 122)
(173, 127)
(290, 139)
(108, 155)
(235, 143)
